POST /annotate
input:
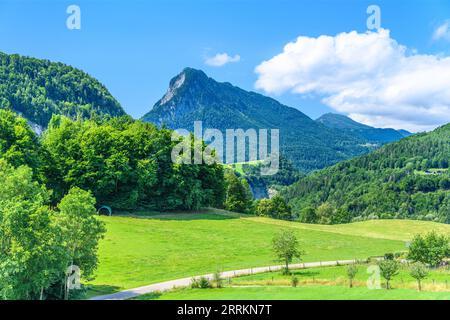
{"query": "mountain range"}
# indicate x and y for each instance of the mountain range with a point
(372, 135)
(310, 145)
(408, 178)
(37, 89)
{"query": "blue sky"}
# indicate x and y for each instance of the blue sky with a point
(136, 47)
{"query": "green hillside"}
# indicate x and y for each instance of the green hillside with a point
(407, 179)
(37, 89)
(143, 250)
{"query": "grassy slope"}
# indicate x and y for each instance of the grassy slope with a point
(316, 292)
(139, 251)
(402, 230)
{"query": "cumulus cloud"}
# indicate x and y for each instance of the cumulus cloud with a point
(368, 76)
(222, 59)
(442, 32)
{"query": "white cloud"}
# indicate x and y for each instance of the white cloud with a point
(368, 76)
(222, 59)
(442, 32)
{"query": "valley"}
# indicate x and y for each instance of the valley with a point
(343, 191)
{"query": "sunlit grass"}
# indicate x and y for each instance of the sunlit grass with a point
(140, 251)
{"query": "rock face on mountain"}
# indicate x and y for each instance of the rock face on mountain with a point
(37, 89)
(362, 131)
(193, 96)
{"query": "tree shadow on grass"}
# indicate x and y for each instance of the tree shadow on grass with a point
(304, 273)
(149, 296)
(203, 214)
(94, 290)
(194, 216)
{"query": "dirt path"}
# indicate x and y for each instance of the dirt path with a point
(186, 282)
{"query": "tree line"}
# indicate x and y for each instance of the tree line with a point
(52, 185)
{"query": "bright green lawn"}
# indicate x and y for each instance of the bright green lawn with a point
(141, 251)
(402, 230)
(315, 292)
(437, 280)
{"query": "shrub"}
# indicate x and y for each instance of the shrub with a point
(388, 256)
(204, 283)
(195, 283)
(294, 281)
(352, 270)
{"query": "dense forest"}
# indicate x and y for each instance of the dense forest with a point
(405, 179)
(37, 89)
(124, 163)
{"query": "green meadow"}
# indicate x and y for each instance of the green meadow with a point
(314, 292)
(142, 250)
(317, 284)
(437, 280)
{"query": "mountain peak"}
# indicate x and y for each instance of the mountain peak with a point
(194, 73)
(193, 96)
(188, 75)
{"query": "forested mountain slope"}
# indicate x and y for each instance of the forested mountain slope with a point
(405, 179)
(39, 88)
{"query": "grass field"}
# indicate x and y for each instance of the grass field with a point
(313, 292)
(437, 280)
(317, 283)
(139, 251)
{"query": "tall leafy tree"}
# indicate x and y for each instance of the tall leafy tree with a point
(238, 194)
(429, 249)
(31, 257)
(80, 231)
(389, 269)
(286, 247)
(419, 271)
(18, 143)
(275, 208)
